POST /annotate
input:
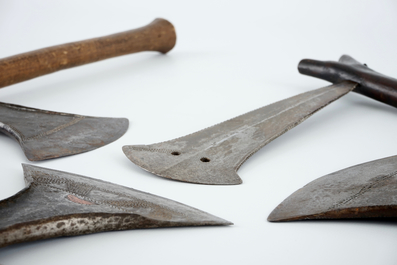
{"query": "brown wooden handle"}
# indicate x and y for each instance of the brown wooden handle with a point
(157, 36)
(370, 83)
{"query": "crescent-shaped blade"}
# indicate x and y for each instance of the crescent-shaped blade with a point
(367, 190)
(213, 155)
(46, 134)
(57, 203)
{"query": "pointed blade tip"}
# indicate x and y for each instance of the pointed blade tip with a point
(282, 213)
(274, 216)
(224, 223)
(216, 221)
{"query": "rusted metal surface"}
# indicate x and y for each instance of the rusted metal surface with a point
(46, 134)
(56, 203)
(371, 84)
(213, 155)
(367, 190)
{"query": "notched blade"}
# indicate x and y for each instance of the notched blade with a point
(57, 203)
(363, 191)
(213, 155)
(47, 134)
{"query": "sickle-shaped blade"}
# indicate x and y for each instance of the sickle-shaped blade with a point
(213, 155)
(47, 134)
(363, 191)
(57, 203)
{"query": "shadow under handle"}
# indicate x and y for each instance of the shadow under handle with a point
(157, 36)
(370, 83)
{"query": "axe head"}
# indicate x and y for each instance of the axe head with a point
(213, 155)
(56, 203)
(363, 191)
(47, 134)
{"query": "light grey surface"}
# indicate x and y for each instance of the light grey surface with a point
(231, 57)
(214, 154)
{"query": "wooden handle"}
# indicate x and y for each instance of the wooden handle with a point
(157, 36)
(370, 83)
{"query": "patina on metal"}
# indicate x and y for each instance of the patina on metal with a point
(363, 191)
(56, 203)
(213, 155)
(46, 134)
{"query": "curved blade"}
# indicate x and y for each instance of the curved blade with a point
(363, 191)
(213, 155)
(57, 203)
(47, 134)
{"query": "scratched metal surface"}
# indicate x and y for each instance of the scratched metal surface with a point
(363, 191)
(57, 203)
(213, 155)
(44, 134)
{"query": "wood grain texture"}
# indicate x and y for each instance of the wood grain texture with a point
(157, 36)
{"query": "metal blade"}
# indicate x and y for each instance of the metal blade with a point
(213, 155)
(47, 134)
(57, 203)
(363, 191)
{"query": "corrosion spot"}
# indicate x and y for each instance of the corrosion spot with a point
(78, 200)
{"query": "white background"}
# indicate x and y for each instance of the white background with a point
(231, 57)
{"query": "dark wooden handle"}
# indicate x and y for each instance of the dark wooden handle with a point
(370, 83)
(157, 36)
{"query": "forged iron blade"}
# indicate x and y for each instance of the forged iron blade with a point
(367, 190)
(46, 134)
(57, 203)
(213, 155)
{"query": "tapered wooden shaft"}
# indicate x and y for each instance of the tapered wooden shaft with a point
(157, 36)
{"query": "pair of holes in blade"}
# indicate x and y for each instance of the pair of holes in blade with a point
(203, 159)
